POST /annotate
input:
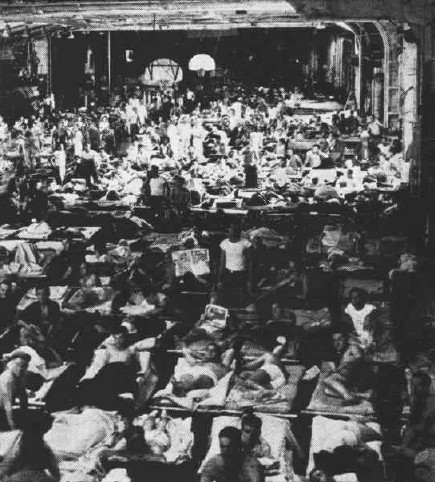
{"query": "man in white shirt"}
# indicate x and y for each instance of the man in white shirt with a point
(313, 158)
(235, 266)
(60, 160)
(87, 169)
(157, 189)
(4, 130)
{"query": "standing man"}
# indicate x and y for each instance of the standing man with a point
(235, 269)
(156, 189)
(87, 169)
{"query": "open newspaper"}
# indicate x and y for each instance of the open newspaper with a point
(196, 261)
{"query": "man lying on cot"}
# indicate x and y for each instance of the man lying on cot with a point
(265, 371)
(350, 381)
(201, 368)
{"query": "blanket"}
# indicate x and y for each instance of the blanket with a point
(328, 434)
(91, 300)
(73, 434)
(267, 401)
(27, 262)
(78, 438)
(213, 397)
(179, 434)
(321, 402)
(36, 231)
(313, 318)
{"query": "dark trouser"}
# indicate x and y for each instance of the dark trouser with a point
(103, 390)
(234, 288)
(87, 170)
(156, 203)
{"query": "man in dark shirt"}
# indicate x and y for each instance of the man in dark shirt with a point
(60, 135)
(43, 313)
(232, 464)
(62, 267)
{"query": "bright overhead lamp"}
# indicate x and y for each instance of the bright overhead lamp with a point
(5, 33)
(25, 33)
(71, 35)
(320, 26)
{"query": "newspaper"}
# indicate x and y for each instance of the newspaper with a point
(196, 261)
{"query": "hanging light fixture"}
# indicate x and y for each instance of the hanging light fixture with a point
(320, 26)
(71, 35)
(25, 33)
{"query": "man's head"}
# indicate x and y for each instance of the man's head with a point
(5, 288)
(421, 383)
(315, 148)
(319, 475)
(276, 309)
(230, 442)
(235, 230)
(18, 363)
(251, 429)
(339, 340)
(43, 293)
(353, 353)
(120, 337)
(358, 298)
(212, 352)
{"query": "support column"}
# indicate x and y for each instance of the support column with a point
(408, 98)
(378, 93)
(49, 69)
(109, 62)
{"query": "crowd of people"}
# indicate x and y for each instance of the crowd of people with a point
(213, 166)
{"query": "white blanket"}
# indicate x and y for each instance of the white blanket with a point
(72, 435)
(180, 436)
(328, 434)
(209, 397)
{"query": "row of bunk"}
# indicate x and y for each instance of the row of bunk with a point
(299, 419)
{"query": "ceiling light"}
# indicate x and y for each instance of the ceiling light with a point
(5, 33)
(71, 35)
(58, 35)
(25, 33)
(320, 26)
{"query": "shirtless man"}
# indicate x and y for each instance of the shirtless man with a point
(12, 386)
